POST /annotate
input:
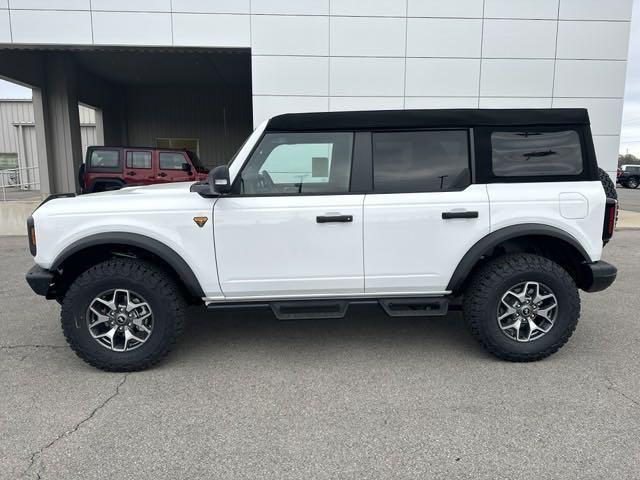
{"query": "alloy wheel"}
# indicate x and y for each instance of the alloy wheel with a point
(120, 320)
(527, 311)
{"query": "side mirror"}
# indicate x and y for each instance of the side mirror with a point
(186, 167)
(219, 181)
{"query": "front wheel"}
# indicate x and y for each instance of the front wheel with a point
(522, 307)
(123, 315)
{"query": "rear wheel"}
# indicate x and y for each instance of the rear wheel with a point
(633, 182)
(123, 315)
(522, 307)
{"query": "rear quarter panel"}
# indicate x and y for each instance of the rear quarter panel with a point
(577, 208)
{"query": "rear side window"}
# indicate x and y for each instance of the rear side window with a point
(429, 161)
(104, 159)
(171, 160)
(138, 159)
(528, 154)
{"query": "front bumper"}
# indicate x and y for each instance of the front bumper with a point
(41, 281)
(597, 276)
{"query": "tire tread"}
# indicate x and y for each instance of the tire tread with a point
(135, 269)
(501, 268)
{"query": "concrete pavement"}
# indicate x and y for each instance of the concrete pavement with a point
(245, 396)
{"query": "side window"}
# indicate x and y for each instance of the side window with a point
(138, 159)
(171, 160)
(428, 161)
(531, 153)
(104, 159)
(299, 163)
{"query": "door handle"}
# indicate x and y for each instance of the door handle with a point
(131, 173)
(334, 218)
(162, 174)
(465, 214)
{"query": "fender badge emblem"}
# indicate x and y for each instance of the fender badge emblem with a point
(200, 221)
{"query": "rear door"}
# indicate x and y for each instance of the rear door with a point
(170, 167)
(424, 214)
(138, 167)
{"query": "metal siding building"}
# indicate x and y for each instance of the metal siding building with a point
(312, 55)
(18, 136)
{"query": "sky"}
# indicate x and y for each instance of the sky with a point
(630, 137)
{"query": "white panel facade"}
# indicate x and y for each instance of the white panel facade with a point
(211, 30)
(132, 5)
(368, 36)
(382, 77)
(310, 55)
(124, 28)
(210, 6)
(289, 35)
(519, 38)
(5, 27)
(444, 37)
(530, 9)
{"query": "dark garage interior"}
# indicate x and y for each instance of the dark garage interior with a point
(195, 98)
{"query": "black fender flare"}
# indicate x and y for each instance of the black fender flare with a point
(175, 261)
(495, 238)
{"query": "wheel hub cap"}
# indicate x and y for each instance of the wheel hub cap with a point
(527, 311)
(120, 320)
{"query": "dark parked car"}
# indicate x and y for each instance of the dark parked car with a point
(111, 168)
(629, 176)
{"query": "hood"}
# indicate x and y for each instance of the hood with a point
(164, 196)
(157, 189)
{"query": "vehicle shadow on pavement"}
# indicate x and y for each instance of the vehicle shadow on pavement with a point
(363, 329)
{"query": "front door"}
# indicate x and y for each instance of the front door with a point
(423, 215)
(170, 167)
(292, 228)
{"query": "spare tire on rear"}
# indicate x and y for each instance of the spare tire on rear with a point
(607, 184)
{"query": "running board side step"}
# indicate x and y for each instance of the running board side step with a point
(309, 309)
(414, 307)
(337, 308)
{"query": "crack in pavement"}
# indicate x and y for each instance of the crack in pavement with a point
(35, 456)
(613, 387)
(10, 347)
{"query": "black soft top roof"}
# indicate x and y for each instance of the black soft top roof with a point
(385, 119)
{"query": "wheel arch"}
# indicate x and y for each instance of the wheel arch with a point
(552, 242)
(94, 248)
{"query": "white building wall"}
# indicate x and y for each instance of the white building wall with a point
(320, 55)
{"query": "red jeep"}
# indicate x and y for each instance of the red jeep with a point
(111, 168)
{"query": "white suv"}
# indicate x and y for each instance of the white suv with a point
(317, 211)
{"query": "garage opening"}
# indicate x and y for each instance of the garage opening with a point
(199, 99)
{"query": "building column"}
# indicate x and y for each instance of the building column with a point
(58, 126)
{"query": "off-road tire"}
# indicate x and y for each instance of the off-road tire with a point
(492, 280)
(157, 287)
(607, 184)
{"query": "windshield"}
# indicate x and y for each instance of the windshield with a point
(196, 162)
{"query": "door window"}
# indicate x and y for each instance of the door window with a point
(298, 163)
(171, 160)
(428, 161)
(138, 159)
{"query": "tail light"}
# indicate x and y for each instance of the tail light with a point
(610, 217)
